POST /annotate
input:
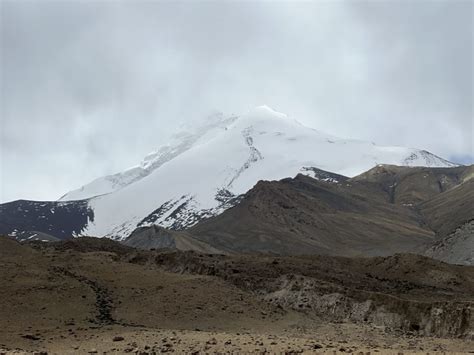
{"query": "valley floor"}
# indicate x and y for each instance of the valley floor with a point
(89, 296)
(325, 338)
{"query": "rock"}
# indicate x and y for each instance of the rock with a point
(118, 338)
(212, 341)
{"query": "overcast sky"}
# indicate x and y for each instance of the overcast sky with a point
(89, 87)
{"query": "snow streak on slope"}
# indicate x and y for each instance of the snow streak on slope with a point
(204, 173)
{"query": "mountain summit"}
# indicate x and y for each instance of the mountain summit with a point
(203, 172)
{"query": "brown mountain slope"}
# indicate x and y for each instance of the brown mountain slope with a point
(306, 216)
(444, 196)
(386, 210)
(450, 209)
(413, 185)
(156, 237)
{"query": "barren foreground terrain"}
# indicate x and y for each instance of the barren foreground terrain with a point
(92, 295)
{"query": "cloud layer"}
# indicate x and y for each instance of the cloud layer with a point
(88, 88)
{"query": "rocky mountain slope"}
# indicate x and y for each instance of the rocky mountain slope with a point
(155, 237)
(202, 173)
(60, 220)
(455, 248)
(305, 216)
(386, 210)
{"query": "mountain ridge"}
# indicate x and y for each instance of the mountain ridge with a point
(387, 210)
(206, 171)
(223, 161)
(183, 141)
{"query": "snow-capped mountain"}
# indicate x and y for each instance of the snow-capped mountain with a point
(179, 144)
(202, 173)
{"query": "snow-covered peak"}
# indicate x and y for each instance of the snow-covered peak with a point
(265, 112)
(203, 170)
(265, 118)
(190, 135)
(279, 133)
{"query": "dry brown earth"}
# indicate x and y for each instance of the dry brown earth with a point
(76, 297)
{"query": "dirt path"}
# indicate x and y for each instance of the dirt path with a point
(103, 303)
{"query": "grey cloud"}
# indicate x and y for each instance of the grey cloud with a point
(89, 87)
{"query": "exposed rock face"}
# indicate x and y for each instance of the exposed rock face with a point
(456, 248)
(441, 319)
(61, 220)
(407, 293)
